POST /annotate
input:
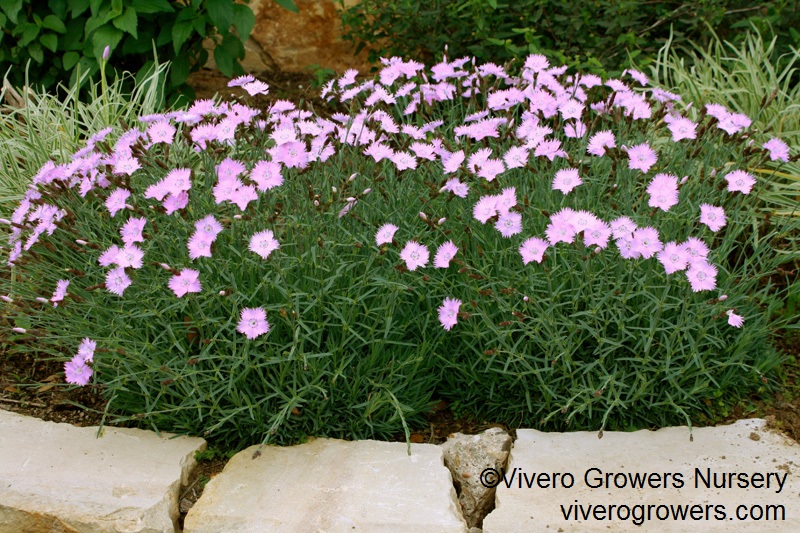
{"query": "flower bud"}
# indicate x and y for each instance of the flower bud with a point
(351, 199)
(525, 299)
(334, 190)
(6, 299)
(440, 221)
(106, 52)
(81, 242)
(316, 203)
(20, 330)
(5, 221)
(352, 176)
(367, 191)
(723, 297)
(165, 266)
(237, 217)
(684, 179)
(423, 216)
(43, 300)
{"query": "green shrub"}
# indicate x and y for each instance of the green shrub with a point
(252, 278)
(60, 39)
(597, 36)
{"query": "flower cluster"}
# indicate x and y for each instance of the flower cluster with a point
(77, 369)
(539, 121)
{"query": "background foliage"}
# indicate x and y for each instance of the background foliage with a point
(57, 40)
(599, 36)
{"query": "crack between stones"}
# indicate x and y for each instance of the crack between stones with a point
(457, 485)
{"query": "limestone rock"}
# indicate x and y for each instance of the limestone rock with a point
(332, 486)
(674, 466)
(58, 477)
(467, 456)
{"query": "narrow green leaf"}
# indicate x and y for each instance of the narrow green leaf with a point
(51, 22)
(127, 22)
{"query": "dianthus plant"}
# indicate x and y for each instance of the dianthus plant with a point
(536, 247)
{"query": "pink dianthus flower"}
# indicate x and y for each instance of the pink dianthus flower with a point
(131, 231)
(712, 216)
(448, 313)
(117, 281)
(116, 201)
(702, 276)
(415, 255)
(385, 234)
(734, 319)
(185, 282)
(509, 224)
(741, 181)
(253, 322)
(778, 150)
(566, 179)
(533, 250)
(641, 157)
(77, 372)
(263, 243)
(444, 254)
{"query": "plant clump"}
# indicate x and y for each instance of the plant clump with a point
(537, 247)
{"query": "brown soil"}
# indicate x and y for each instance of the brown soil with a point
(35, 387)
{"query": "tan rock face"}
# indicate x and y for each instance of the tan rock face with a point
(57, 477)
(740, 477)
(294, 41)
(332, 486)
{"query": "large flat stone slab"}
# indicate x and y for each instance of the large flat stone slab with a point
(677, 473)
(58, 477)
(329, 486)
